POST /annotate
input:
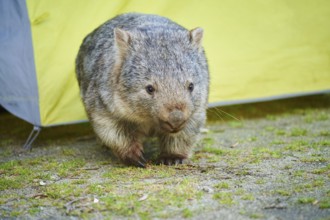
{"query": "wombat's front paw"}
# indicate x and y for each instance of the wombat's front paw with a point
(134, 156)
(171, 160)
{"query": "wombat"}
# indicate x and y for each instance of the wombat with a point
(144, 75)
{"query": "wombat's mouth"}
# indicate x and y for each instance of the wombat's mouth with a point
(171, 128)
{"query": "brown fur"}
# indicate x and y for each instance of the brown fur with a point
(144, 75)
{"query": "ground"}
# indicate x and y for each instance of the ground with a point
(258, 161)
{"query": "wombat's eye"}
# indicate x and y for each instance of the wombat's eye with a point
(150, 89)
(191, 87)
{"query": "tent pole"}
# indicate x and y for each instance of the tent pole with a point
(33, 135)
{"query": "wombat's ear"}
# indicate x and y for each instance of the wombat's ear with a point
(196, 36)
(122, 40)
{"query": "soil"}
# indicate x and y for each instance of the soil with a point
(265, 160)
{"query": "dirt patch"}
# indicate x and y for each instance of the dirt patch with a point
(271, 162)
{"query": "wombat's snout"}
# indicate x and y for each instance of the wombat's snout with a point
(175, 122)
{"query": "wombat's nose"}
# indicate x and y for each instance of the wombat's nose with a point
(175, 122)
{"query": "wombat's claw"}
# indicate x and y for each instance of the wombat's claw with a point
(178, 161)
(170, 161)
(143, 159)
(140, 164)
(133, 162)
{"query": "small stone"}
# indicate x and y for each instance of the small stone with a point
(144, 197)
(54, 177)
(204, 130)
(207, 189)
(42, 183)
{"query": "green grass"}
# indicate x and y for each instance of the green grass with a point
(236, 172)
(224, 198)
(321, 170)
(297, 146)
(7, 183)
(222, 185)
(324, 133)
(213, 150)
(306, 200)
(187, 213)
(298, 132)
(283, 192)
(248, 197)
(324, 203)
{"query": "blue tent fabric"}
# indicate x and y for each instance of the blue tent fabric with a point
(18, 82)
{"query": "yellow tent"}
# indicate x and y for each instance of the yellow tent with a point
(257, 49)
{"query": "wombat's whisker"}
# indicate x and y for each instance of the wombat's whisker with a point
(226, 113)
(214, 110)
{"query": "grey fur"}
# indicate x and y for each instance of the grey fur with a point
(115, 65)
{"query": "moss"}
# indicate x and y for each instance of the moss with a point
(248, 197)
(253, 139)
(266, 153)
(224, 198)
(79, 181)
(99, 188)
(222, 185)
(324, 133)
(121, 205)
(68, 152)
(173, 192)
(314, 159)
(123, 200)
(256, 215)
(306, 200)
(299, 173)
(309, 119)
(324, 203)
(239, 192)
(236, 124)
(33, 210)
(270, 128)
(9, 165)
(283, 192)
(303, 187)
(214, 150)
(318, 183)
(323, 143)
(9, 183)
(207, 141)
(277, 142)
(298, 132)
(243, 172)
(203, 155)
(321, 170)
(260, 181)
(297, 146)
(288, 167)
(187, 213)
(62, 190)
(322, 116)
(134, 173)
(15, 213)
(280, 132)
